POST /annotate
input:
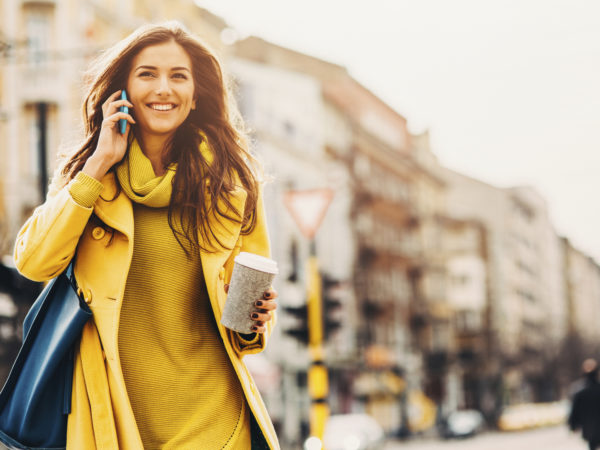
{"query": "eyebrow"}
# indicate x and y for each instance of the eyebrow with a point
(155, 68)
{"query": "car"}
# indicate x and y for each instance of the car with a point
(353, 432)
(463, 423)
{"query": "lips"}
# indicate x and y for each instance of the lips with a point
(162, 106)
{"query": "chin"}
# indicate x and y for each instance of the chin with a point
(162, 128)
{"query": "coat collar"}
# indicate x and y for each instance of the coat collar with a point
(117, 212)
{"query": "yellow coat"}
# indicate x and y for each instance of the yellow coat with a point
(101, 415)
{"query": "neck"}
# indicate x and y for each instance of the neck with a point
(154, 148)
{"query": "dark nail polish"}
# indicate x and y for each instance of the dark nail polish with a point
(254, 328)
(259, 303)
(254, 316)
(267, 295)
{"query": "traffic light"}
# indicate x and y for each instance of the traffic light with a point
(300, 331)
(332, 302)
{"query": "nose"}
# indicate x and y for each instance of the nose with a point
(163, 87)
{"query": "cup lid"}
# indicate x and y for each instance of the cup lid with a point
(257, 262)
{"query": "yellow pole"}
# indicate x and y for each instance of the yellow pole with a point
(318, 385)
(315, 319)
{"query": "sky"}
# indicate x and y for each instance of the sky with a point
(509, 89)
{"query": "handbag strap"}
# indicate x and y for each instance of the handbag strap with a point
(70, 273)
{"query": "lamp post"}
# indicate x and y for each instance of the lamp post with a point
(42, 125)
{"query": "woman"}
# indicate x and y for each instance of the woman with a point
(154, 218)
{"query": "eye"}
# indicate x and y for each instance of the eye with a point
(180, 75)
(146, 74)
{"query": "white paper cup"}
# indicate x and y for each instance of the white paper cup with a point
(252, 276)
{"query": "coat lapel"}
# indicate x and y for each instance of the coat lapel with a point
(117, 213)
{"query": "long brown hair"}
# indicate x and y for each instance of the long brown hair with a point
(215, 117)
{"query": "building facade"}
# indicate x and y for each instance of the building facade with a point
(526, 297)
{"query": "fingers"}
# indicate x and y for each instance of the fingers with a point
(268, 305)
(109, 100)
(113, 103)
(270, 294)
(263, 312)
(260, 317)
(112, 97)
(259, 329)
(113, 107)
(113, 119)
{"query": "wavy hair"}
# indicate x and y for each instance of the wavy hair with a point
(215, 118)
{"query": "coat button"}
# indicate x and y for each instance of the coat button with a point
(222, 273)
(98, 233)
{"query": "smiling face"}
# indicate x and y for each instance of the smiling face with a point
(161, 87)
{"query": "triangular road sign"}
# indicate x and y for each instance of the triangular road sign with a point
(308, 208)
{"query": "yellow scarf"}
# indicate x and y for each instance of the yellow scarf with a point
(140, 183)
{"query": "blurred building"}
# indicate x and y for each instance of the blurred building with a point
(526, 297)
(397, 275)
(467, 285)
(365, 339)
(581, 282)
(384, 178)
(582, 285)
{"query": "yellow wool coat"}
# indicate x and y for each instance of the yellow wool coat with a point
(101, 415)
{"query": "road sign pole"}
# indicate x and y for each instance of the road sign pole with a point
(308, 209)
(318, 383)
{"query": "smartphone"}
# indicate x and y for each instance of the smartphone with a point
(125, 109)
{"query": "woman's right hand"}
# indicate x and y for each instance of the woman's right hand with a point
(112, 145)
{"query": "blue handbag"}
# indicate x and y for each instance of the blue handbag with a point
(36, 398)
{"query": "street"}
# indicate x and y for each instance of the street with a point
(554, 438)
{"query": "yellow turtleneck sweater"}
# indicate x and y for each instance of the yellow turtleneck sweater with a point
(182, 387)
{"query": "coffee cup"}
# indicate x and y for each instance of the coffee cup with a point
(252, 276)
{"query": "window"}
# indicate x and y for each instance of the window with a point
(460, 280)
(289, 129)
(469, 321)
(38, 30)
(440, 337)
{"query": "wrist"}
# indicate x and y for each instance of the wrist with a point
(96, 167)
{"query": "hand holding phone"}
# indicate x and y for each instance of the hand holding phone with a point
(125, 109)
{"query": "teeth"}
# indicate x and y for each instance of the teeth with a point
(162, 107)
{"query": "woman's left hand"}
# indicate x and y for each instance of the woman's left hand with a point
(262, 312)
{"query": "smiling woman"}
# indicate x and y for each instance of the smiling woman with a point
(154, 218)
(161, 88)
